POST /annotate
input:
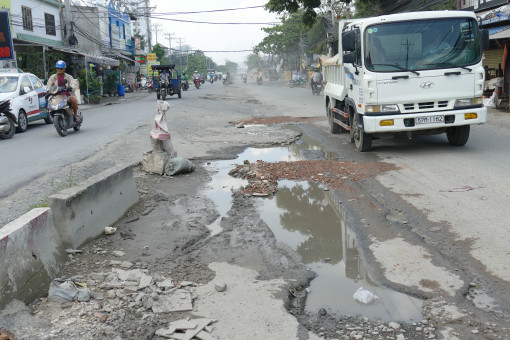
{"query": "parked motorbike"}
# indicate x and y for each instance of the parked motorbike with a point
(259, 80)
(196, 81)
(61, 111)
(184, 85)
(316, 87)
(7, 120)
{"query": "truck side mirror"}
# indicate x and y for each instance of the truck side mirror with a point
(348, 41)
(485, 39)
(349, 58)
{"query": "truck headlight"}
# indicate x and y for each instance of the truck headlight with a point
(468, 102)
(393, 108)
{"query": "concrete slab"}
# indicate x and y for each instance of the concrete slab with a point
(31, 254)
(82, 212)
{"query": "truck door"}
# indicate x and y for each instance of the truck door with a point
(354, 73)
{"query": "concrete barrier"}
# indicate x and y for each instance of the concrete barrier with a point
(81, 213)
(31, 254)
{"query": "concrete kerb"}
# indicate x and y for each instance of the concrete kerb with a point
(116, 100)
(31, 254)
(32, 247)
(81, 213)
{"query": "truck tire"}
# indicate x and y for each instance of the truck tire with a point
(362, 140)
(333, 127)
(458, 135)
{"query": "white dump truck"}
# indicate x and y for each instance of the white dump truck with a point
(417, 73)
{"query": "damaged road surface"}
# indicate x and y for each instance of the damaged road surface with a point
(282, 231)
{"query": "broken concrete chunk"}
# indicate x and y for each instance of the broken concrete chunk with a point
(165, 284)
(145, 281)
(118, 253)
(173, 303)
(203, 335)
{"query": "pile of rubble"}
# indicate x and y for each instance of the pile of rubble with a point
(263, 176)
(122, 295)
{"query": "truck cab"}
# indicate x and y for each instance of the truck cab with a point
(410, 73)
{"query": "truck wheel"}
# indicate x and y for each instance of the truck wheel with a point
(362, 140)
(333, 127)
(458, 135)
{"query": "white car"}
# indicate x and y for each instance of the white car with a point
(26, 93)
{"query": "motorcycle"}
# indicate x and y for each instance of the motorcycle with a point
(7, 120)
(184, 85)
(244, 80)
(211, 80)
(259, 80)
(163, 88)
(225, 82)
(197, 83)
(316, 88)
(150, 86)
(61, 111)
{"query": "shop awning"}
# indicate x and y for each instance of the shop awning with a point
(501, 32)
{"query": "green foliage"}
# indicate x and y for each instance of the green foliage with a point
(292, 6)
(110, 84)
(254, 61)
(292, 38)
(367, 8)
(229, 66)
(32, 61)
(196, 62)
(94, 83)
(160, 52)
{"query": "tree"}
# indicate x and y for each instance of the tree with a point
(254, 61)
(292, 6)
(292, 38)
(196, 62)
(160, 52)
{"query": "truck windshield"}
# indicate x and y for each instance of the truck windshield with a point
(422, 45)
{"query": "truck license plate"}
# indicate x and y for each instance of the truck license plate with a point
(429, 119)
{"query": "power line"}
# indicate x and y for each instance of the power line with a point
(218, 23)
(210, 11)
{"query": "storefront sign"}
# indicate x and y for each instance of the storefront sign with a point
(5, 37)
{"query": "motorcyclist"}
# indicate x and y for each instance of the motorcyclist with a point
(316, 77)
(57, 79)
(164, 76)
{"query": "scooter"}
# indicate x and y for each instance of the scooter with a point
(184, 85)
(150, 86)
(7, 120)
(244, 80)
(196, 81)
(61, 111)
(316, 88)
(259, 80)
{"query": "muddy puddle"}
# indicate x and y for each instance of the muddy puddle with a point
(309, 219)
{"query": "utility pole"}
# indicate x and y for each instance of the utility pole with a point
(157, 28)
(169, 36)
(180, 50)
(67, 26)
(148, 21)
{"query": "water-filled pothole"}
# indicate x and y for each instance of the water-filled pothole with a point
(309, 219)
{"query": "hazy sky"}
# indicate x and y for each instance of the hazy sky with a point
(207, 37)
